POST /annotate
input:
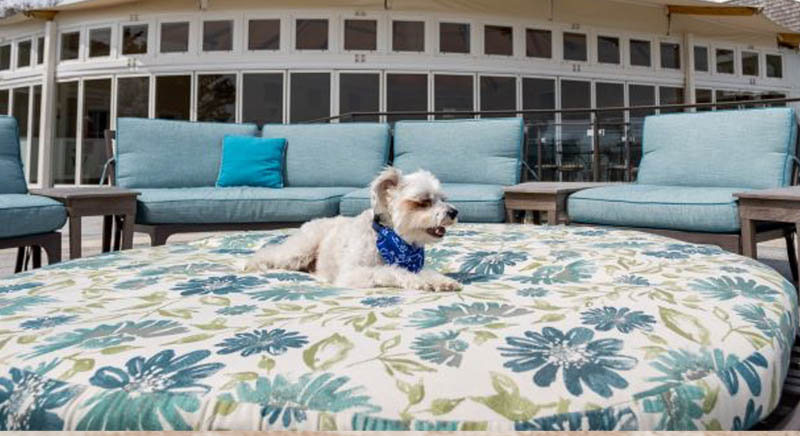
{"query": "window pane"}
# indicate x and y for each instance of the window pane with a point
(66, 132)
(538, 43)
(310, 96)
(613, 159)
(262, 98)
(133, 97)
(670, 55)
(749, 63)
(540, 94)
(725, 61)
(21, 101)
(4, 101)
(134, 39)
(498, 93)
(24, 53)
(99, 42)
(359, 92)
(218, 35)
(40, 50)
(5, 57)
(311, 34)
(360, 34)
(453, 93)
(408, 36)
(174, 37)
(576, 94)
(608, 50)
(774, 66)
(216, 97)
(670, 95)
(70, 43)
(575, 47)
(406, 93)
(700, 58)
(454, 38)
(96, 119)
(173, 97)
(498, 40)
(610, 95)
(704, 96)
(264, 34)
(640, 53)
(36, 116)
(576, 145)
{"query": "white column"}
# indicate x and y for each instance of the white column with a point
(689, 94)
(48, 110)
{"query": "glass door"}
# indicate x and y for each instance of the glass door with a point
(575, 151)
(611, 127)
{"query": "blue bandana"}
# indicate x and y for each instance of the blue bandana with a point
(395, 251)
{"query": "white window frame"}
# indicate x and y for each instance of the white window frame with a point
(428, 80)
(192, 48)
(336, 90)
(237, 77)
(709, 59)
(681, 56)
(78, 128)
(518, 89)
(432, 79)
(760, 62)
(332, 83)
(81, 107)
(764, 55)
(81, 45)
(284, 98)
(596, 41)
(736, 61)
(591, 53)
(333, 26)
(192, 91)
(283, 29)
(653, 59)
(15, 54)
(380, 28)
(150, 38)
(113, 48)
(524, 46)
(115, 91)
(474, 40)
(515, 49)
(426, 40)
(236, 34)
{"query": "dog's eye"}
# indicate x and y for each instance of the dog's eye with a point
(424, 203)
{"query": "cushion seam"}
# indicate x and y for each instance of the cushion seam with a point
(655, 202)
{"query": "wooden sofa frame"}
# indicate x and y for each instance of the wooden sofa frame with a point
(50, 242)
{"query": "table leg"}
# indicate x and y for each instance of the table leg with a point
(552, 217)
(509, 216)
(107, 228)
(37, 256)
(74, 237)
(20, 265)
(127, 232)
(537, 217)
(748, 238)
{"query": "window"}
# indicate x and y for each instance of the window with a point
(701, 58)
(640, 53)
(725, 97)
(96, 119)
(453, 93)
(611, 141)
(608, 50)
(310, 96)
(311, 34)
(3, 102)
(774, 66)
(749, 63)
(575, 48)
(408, 36)
(264, 34)
(134, 39)
(21, 100)
(216, 97)
(174, 37)
(359, 92)
(575, 144)
(24, 49)
(704, 96)
(40, 50)
(64, 152)
(70, 45)
(36, 113)
(670, 55)
(538, 43)
(498, 40)
(540, 94)
(639, 95)
(360, 34)
(100, 42)
(454, 38)
(497, 94)
(406, 93)
(133, 97)
(670, 95)
(262, 98)
(218, 35)
(725, 63)
(5, 57)
(173, 97)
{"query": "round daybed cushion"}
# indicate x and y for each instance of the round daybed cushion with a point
(557, 328)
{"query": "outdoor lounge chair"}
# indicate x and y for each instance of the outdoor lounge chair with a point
(25, 220)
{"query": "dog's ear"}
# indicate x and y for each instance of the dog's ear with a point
(388, 179)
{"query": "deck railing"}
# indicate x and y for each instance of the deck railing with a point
(579, 144)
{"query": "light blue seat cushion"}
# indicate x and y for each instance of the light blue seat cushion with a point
(12, 180)
(236, 205)
(743, 148)
(23, 214)
(694, 209)
(484, 151)
(475, 203)
(171, 154)
(342, 154)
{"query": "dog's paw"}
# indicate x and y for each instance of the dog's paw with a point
(441, 284)
(257, 264)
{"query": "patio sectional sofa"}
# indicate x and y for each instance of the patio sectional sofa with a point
(174, 165)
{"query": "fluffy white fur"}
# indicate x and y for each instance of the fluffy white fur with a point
(342, 250)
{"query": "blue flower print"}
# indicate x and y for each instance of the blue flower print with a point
(46, 322)
(108, 335)
(582, 360)
(633, 280)
(725, 288)
(294, 293)
(11, 306)
(679, 407)
(491, 262)
(752, 416)
(621, 319)
(274, 342)
(465, 314)
(532, 292)
(469, 278)
(219, 285)
(381, 301)
(19, 287)
(444, 347)
(237, 310)
(28, 400)
(608, 419)
(289, 277)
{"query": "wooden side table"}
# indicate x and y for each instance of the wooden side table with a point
(116, 205)
(781, 205)
(544, 197)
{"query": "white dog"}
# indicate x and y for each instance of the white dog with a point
(408, 212)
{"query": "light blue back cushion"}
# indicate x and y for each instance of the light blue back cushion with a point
(484, 151)
(745, 149)
(12, 180)
(171, 154)
(344, 154)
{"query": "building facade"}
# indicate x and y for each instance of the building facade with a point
(68, 72)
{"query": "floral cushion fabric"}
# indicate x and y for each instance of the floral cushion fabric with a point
(557, 328)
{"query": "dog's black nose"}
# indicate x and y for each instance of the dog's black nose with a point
(452, 213)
